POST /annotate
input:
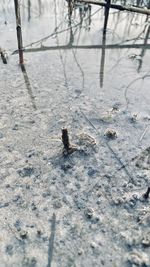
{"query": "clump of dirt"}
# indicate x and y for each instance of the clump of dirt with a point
(111, 134)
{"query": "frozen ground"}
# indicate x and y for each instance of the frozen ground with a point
(87, 208)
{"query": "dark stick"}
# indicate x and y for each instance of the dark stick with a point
(65, 139)
(146, 195)
(19, 31)
(117, 6)
(102, 64)
(70, 6)
(3, 56)
(107, 7)
(67, 47)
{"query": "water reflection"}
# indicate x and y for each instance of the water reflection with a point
(102, 62)
(29, 10)
(40, 7)
(120, 31)
(85, 12)
(141, 55)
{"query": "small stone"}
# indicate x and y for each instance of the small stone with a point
(33, 206)
(80, 252)
(98, 202)
(89, 213)
(146, 241)
(23, 234)
(134, 117)
(93, 245)
(18, 224)
(30, 153)
(138, 164)
(125, 184)
(39, 233)
(15, 128)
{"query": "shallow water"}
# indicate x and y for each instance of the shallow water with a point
(45, 26)
(105, 73)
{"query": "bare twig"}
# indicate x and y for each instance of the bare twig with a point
(65, 139)
(117, 6)
(68, 149)
(67, 47)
